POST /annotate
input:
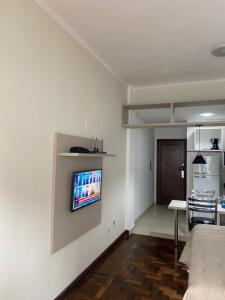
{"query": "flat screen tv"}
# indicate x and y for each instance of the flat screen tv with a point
(86, 188)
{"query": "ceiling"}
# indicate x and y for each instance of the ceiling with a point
(148, 42)
(182, 114)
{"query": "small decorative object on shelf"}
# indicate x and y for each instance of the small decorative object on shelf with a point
(79, 149)
(97, 146)
(215, 144)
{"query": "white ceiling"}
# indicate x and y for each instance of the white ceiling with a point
(182, 114)
(148, 42)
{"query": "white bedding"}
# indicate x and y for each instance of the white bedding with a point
(206, 262)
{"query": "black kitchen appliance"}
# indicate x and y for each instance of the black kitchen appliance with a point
(215, 144)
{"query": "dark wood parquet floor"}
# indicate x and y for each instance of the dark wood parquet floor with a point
(139, 268)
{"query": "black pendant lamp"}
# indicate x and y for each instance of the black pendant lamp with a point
(199, 159)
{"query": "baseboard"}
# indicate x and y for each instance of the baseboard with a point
(131, 227)
(77, 281)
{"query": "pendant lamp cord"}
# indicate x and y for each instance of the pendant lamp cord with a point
(199, 139)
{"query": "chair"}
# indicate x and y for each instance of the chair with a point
(201, 211)
(205, 194)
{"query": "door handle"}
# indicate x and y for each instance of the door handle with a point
(182, 169)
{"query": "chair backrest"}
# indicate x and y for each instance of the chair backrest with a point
(201, 207)
(204, 194)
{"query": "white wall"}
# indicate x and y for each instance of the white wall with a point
(222, 180)
(130, 180)
(140, 191)
(190, 157)
(48, 84)
(161, 134)
(170, 133)
(144, 177)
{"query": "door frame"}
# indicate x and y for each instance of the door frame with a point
(157, 166)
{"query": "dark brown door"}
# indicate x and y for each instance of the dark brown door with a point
(171, 174)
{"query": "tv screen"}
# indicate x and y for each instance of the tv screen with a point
(86, 188)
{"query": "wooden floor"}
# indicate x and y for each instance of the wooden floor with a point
(139, 268)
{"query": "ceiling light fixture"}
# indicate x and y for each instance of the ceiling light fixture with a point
(219, 51)
(207, 114)
(199, 159)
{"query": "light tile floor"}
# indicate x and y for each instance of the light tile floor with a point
(158, 220)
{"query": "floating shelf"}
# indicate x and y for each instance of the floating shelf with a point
(211, 151)
(176, 124)
(171, 106)
(88, 155)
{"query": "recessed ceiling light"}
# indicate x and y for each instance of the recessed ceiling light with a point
(219, 51)
(206, 114)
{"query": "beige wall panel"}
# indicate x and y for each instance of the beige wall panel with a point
(66, 226)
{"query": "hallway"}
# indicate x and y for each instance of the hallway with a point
(158, 221)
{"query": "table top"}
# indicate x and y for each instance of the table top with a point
(181, 205)
(177, 204)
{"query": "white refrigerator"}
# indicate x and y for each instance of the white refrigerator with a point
(207, 177)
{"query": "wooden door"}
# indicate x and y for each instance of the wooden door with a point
(171, 170)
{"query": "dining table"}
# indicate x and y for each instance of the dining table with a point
(181, 205)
